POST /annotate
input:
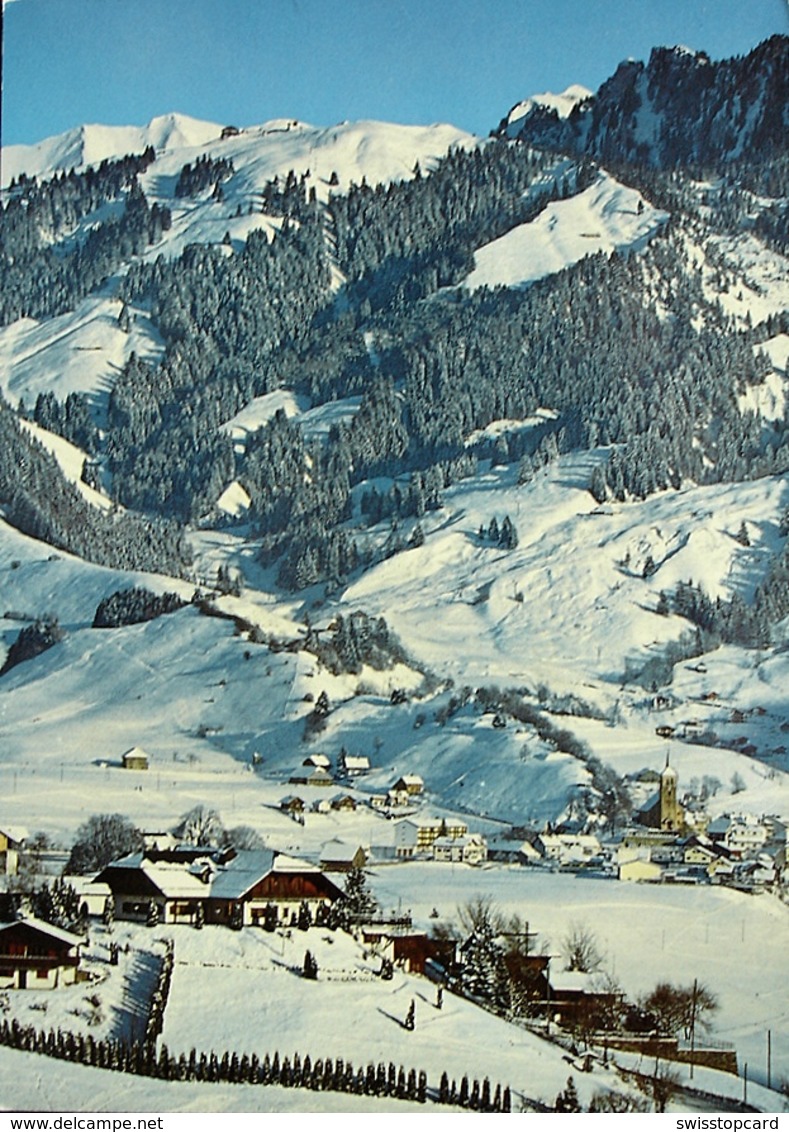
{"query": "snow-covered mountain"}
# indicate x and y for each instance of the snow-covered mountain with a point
(677, 109)
(355, 151)
(584, 639)
(466, 455)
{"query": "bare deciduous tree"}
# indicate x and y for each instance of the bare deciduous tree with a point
(581, 949)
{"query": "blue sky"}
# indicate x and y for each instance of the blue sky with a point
(68, 62)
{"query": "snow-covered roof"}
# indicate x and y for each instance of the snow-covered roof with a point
(285, 864)
(14, 832)
(174, 881)
(461, 842)
(357, 762)
(135, 753)
(317, 760)
(337, 850)
(572, 981)
(243, 872)
(47, 929)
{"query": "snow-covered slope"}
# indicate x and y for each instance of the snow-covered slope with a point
(605, 217)
(375, 151)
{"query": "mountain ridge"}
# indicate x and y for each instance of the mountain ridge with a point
(677, 109)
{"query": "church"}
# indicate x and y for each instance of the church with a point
(663, 812)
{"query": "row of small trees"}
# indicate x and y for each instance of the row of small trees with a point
(327, 1075)
(161, 994)
(477, 1097)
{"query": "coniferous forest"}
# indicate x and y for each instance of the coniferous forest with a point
(629, 352)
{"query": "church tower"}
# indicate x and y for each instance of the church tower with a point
(670, 812)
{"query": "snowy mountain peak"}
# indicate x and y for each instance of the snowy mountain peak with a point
(376, 151)
(94, 143)
(679, 108)
(562, 103)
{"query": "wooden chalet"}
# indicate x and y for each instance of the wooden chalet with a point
(238, 888)
(353, 765)
(292, 804)
(574, 999)
(315, 776)
(36, 955)
(341, 856)
(410, 785)
(343, 802)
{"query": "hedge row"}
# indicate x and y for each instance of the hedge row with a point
(143, 1059)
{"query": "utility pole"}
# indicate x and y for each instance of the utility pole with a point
(693, 1025)
(769, 1058)
(745, 1083)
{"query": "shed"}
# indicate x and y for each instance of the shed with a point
(135, 759)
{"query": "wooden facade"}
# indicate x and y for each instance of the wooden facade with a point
(35, 955)
(250, 887)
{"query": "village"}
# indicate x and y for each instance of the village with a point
(328, 890)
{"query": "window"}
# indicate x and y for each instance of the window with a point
(42, 974)
(134, 908)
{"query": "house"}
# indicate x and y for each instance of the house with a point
(469, 850)
(416, 835)
(317, 776)
(341, 856)
(567, 849)
(11, 838)
(292, 804)
(239, 888)
(712, 856)
(575, 999)
(135, 759)
(265, 882)
(354, 765)
(632, 866)
(378, 801)
(322, 761)
(343, 802)
(413, 952)
(746, 836)
(407, 789)
(37, 955)
(321, 806)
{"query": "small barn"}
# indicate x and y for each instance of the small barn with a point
(135, 759)
(342, 856)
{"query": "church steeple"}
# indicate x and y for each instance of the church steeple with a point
(670, 813)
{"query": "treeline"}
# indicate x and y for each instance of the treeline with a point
(38, 500)
(46, 273)
(627, 352)
(39, 212)
(400, 242)
(70, 419)
(206, 171)
(734, 621)
(34, 639)
(358, 640)
(134, 606)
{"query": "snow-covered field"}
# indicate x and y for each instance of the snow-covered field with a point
(30, 1083)
(735, 944)
(259, 1001)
